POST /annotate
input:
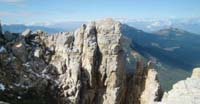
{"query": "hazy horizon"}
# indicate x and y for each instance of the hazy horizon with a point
(49, 12)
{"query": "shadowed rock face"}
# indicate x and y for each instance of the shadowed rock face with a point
(1, 34)
(0, 29)
(143, 87)
(82, 67)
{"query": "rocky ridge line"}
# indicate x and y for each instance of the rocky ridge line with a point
(82, 67)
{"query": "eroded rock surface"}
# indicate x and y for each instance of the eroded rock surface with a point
(143, 87)
(82, 67)
(153, 91)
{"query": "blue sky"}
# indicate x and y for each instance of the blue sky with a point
(36, 11)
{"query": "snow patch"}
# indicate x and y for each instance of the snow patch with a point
(2, 49)
(2, 87)
(19, 97)
(171, 48)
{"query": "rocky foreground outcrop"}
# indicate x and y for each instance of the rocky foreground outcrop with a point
(82, 67)
(185, 91)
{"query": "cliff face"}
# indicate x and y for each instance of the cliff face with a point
(82, 67)
(152, 91)
(90, 63)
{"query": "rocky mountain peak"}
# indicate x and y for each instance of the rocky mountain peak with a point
(171, 32)
(86, 66)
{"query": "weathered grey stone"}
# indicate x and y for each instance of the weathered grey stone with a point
(26, 33)
(83, 67)
(185, 91)
(196, 73)
(38, 52)
(152, 91)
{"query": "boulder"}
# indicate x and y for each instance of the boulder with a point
(26, 33)
(185, 91)
(38, 52)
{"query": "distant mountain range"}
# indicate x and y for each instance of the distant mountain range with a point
(151, 25)
(18, 28)
(172, 46)
(50, 28)
(175, 51)
(148, 25)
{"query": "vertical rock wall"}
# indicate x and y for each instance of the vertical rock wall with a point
(90, 63)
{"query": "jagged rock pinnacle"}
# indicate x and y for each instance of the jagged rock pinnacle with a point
(82, 67)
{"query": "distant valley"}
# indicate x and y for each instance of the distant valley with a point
(174, 51)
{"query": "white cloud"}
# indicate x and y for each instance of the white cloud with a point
(12, 1)
(159, 23)
(40, 23)
(156, 24)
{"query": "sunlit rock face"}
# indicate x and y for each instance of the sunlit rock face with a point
(185, 91)
(196, 73)
(152, 91)
(86, 66)
(90, 63)
(81, 67)
(143, 87)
